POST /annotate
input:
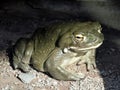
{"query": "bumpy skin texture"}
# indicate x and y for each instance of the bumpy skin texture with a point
(53, 48)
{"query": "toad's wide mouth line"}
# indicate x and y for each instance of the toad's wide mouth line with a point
(87, 48)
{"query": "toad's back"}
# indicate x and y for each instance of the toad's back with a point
(44, 40)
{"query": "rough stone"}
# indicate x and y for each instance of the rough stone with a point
(26, 77)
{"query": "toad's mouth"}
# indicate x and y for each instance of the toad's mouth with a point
(86, 48)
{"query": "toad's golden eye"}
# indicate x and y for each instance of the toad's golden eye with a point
(79, 37)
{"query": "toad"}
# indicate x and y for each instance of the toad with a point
(53, 48)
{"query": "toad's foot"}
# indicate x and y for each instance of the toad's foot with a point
(62, 74)
(76, 76)
(89, 64)
(24, 67)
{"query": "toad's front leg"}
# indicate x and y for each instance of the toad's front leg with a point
(56, 63)
(89, 59)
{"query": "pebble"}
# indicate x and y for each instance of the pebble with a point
(26, 77)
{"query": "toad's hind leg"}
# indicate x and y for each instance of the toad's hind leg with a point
(55, 66)
(22, 54)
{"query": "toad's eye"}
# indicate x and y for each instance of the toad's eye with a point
(79, 37)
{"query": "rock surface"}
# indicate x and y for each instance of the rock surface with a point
(26, 77)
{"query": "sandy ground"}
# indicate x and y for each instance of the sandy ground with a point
(105, 77)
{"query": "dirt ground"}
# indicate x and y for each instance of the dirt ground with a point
(105, 77)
